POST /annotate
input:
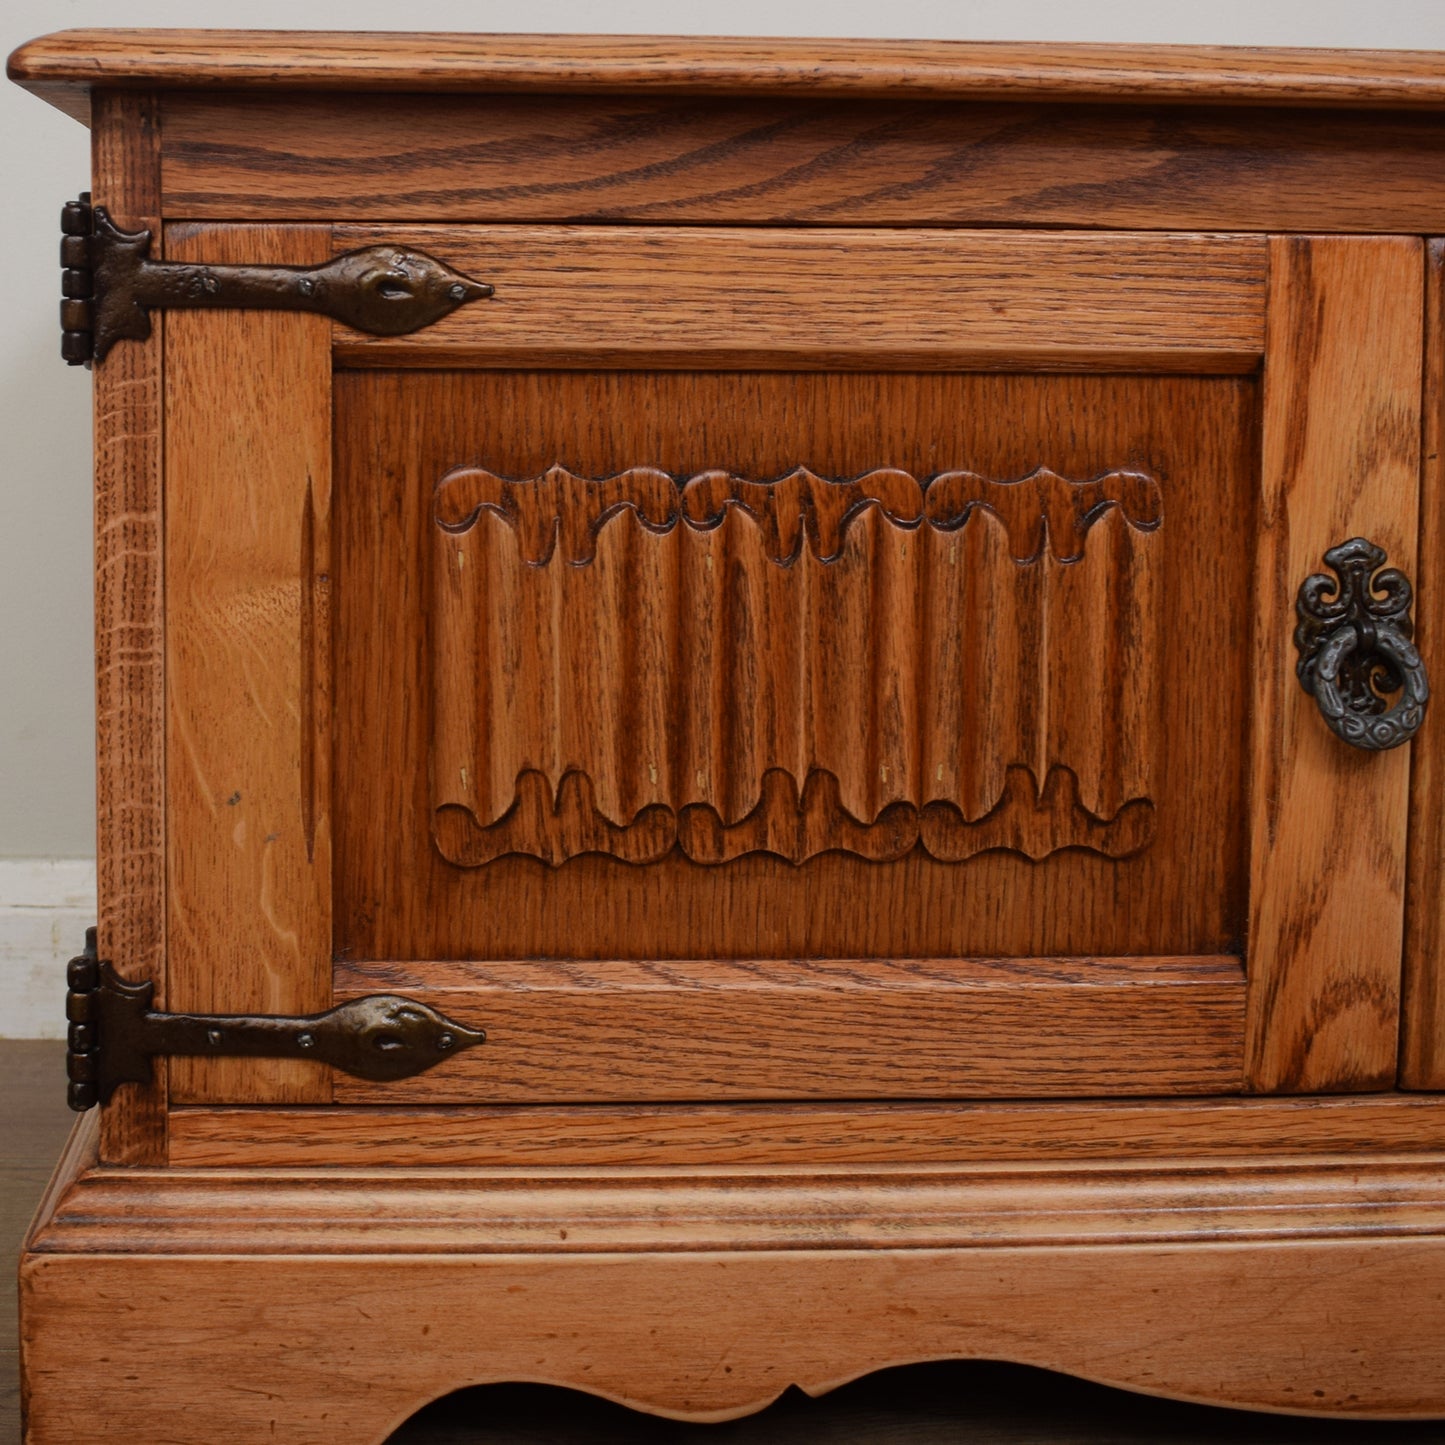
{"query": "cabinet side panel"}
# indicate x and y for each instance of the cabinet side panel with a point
(248, 414)
(1341, 458)
(129, 624)
(1422, 1039)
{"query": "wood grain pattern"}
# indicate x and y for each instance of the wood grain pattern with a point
(702, 159)
(1341, 443)
(370, 1341)
(693, 1038)
(130, 669)
(398, 898)
(1422, 1011)
(404, 1213)
(792, 822)
(627, 663)
(529, 1136)
(248, 471)
(781, 1135)
(329, 60)
(793, 1029)
(1292, 1284)
(1038, 512)
(781, 297)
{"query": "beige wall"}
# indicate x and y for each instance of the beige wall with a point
(46, 773)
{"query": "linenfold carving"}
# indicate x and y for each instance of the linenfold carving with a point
(1027, 819)
(637, 663)
(559, 506)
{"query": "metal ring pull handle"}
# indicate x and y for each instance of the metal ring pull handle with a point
(1356, 649)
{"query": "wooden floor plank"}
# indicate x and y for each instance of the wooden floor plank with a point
(33, 1123)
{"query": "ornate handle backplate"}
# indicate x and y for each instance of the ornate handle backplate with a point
(1356, 649)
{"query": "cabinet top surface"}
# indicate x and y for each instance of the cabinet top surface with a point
(65, 66)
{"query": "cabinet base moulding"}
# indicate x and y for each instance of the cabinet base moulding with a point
(1280, 1282)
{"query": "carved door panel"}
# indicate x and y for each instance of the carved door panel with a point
(799, 665)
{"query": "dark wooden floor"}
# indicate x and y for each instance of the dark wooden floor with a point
(33, 1124)
(940, 1404)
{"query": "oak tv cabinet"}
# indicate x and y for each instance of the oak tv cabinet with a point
(763, 711)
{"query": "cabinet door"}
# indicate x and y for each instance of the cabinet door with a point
(770, 664)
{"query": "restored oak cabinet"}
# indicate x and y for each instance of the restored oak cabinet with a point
(799, 647)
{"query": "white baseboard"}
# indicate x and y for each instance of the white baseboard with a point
(46, 904)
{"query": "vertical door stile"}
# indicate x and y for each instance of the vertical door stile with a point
(1341, 457)
(1422, 1039)
(248, 504)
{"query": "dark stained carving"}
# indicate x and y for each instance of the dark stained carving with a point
(628, 664)
(1027, 819)
(559, 508)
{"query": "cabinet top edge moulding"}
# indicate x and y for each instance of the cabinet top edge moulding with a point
(65, 67)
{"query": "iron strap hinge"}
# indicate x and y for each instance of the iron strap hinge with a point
(114, 1033)
(109, 283)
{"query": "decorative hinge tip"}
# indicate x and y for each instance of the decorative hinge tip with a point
(114, 1033)
(110, 283)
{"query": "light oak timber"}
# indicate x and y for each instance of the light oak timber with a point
(743, 1122)
(130, 667)
(802, 671)
(1341, 448)
(80, 1152)
(640, 158)
(609, 1031)
(79, 1155)
(1221, 1282)
(248, 486)
(559, 1212)
(1039, 514)
(399, 434)
(75, 60)
(793, 822)
(570, 296)
(803, 1135)
(1249, 1325)
(1422, 1032)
